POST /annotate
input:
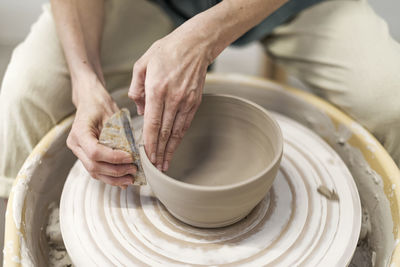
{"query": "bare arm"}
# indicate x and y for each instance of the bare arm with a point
(231, 19)
(168, 79)
(80, 36)
(79, 26)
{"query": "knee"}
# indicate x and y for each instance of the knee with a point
(19, 83)
(370, 93)
(31, 86)
(371, 97)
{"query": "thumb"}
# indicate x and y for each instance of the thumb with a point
(136, 90)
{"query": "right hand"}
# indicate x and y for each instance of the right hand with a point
(94, 106)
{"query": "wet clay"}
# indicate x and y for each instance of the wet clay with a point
(58, 256)
(215, 180)
(227, 143)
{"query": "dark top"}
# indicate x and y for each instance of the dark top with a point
(182, 10)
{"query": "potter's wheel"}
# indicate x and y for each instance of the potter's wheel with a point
(294, 225)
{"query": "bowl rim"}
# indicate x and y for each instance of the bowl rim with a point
(251, 179)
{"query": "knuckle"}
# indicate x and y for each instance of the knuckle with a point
(155, 123)
(69, 142)
(92, 153)
(137, 65)
(169, 152)
(119, 172)
(164, 135)
(91, 168)
(160, 91)
(177, 97)
(160, 152)
(93, 175)
(191, 102)
(185, 128)
(115, 173)
(136, 96)
(158, 88)
(177, 134)
(114, 158)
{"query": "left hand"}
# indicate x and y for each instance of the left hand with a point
(167, 86)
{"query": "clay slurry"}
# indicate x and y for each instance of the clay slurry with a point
(223, 147)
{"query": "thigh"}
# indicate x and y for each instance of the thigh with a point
(130, 28)
(35, 95)
(344, 52)
(38, 77)
(36, 89)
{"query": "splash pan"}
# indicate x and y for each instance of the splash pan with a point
(42, 177)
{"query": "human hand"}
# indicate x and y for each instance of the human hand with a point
(167, 86)
(94, 106)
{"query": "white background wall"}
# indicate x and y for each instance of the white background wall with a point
(16, 18)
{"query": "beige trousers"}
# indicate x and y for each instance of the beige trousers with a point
(342, 49)
(344, 52)
(36, 89)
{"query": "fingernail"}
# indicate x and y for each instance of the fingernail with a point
(165, 166)
(153, 158)
(159, 167)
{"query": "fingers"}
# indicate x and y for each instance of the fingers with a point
(117, 175)
(168, 119)
(112, 170)
(181, 124)
(152, 124)
(99, 152)
(136, 90)
(114, 167)
(175, 139)
(190, 116)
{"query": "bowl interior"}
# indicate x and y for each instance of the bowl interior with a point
(230, 140)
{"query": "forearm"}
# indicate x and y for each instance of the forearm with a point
(79, 26)
(221, 25)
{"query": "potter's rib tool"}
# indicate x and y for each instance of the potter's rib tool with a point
(117, 133)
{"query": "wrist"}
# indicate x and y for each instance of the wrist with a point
(87, 87)
(82, 69)
(224, 23)
(210, 32)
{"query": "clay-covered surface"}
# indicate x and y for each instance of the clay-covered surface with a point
(293, 225)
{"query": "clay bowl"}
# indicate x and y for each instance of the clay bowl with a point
(224, 166)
